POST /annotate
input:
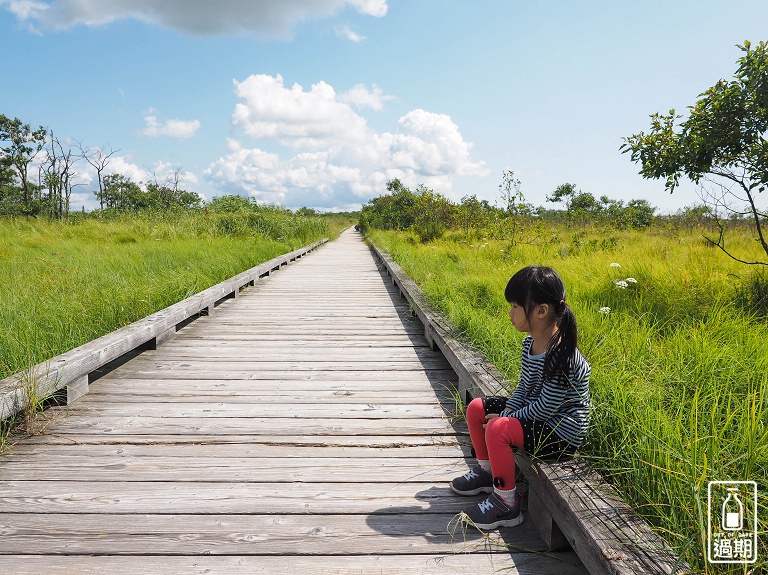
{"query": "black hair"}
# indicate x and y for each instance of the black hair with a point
(536, 285)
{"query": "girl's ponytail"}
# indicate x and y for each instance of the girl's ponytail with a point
(562, 346)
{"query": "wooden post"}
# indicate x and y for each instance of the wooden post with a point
(429, 336)
(77, 389)
(545, 525)
(160, 339)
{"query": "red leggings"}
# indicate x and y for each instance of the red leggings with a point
(495, 442)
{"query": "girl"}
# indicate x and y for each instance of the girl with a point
(548, 413)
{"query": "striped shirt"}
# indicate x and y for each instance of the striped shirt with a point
(561, 402)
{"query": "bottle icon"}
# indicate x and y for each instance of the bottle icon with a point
(732, 518)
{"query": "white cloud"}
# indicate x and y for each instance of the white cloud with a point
(121, 165)
(334, 159)
(294, 117)
(181, 129)
(371, 7)
(24, 9)
(349, 34)
(362, 97)
(198, 17)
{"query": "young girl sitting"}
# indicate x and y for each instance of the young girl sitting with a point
(548, 413)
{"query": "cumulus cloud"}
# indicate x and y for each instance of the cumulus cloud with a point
(294, 117)
(362, 97)
(330, 156)
(181, 129)
(198, 17)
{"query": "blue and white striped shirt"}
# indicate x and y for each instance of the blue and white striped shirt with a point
(562, 402)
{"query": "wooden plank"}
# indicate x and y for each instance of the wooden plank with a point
(266, 426)
(185, 370)
(279, 441)
(294, 409)
(324, 377)
(55, 498)
(416, 564)
(217, 365)
(280, 340)
(221, 534)
(231, 469)
(121, 395)
(251, 352)
(395, 451)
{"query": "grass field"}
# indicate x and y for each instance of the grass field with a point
(65, 284)
(679, 363)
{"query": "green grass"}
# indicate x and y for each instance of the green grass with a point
(63, 285)
(679, 368)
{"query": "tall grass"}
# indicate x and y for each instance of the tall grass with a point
(679, 365)
(63, 285)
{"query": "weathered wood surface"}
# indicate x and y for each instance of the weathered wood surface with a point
(305, 427)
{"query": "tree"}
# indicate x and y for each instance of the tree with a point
(98, 158)
(58, 177)
(434, 214)
(512, 195)
(121, 193)
(471, 214)
(564, 193)
(161, 197)
(22, 146)
(722, 143)
(306, 212)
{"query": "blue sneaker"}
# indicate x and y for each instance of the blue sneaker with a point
(493, 513)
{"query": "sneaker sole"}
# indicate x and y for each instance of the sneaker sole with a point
(477, 491)
(501, 523)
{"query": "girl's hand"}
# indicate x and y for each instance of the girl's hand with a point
(489, 417)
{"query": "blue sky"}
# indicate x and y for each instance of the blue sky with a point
(320, 102)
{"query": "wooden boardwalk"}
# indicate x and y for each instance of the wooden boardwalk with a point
(304, 427)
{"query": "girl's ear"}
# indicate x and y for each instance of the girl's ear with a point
(542, 310)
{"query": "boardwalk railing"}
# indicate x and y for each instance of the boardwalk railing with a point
(73, 368)
(570, 504)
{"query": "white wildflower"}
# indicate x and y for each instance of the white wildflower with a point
(615, 265)
(631, 280)
(605, 310)
(621, 284)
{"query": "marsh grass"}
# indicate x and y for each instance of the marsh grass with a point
(679, 365)
(64, 284)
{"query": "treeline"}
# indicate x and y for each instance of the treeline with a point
(39, 172)
(430, 214)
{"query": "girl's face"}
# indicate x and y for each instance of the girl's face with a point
(517, 317)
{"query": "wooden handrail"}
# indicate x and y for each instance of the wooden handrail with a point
(72, 368)
(569, 502)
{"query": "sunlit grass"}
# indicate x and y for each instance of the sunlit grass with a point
(679, 370)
